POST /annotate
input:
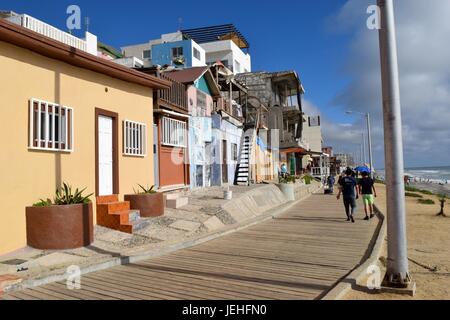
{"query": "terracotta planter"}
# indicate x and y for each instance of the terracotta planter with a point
(60, 227)
(149, 205)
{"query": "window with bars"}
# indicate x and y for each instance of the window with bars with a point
(134, 139)
(50, 126)
(173, 133)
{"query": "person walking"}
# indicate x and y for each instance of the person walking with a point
(369, 193)
(349, 190)
(284, 170)
(331, 181)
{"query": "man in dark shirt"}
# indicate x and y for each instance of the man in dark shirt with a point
(368, 192)
(348, 188)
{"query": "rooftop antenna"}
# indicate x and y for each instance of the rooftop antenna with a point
(87, 22)
(180, 23)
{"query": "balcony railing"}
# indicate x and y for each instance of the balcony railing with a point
(232, 109)
(320, 172)
(49, 31)
(175, 97)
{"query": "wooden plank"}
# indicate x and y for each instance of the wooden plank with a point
(243, 286)
(83, 293)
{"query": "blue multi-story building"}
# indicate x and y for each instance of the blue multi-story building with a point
(196, 48)
(173, 49)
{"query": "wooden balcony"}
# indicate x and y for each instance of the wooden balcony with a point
(174, 98)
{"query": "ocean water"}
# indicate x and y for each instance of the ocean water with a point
(433, 174)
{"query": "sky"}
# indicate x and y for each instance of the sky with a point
(325, 41)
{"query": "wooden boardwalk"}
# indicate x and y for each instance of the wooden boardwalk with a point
(299, 255)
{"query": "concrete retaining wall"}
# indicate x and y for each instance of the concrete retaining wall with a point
(260, 200)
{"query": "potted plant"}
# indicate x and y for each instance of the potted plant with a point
(287, 187)
(179, 61)
(149, 202)
(64, 223)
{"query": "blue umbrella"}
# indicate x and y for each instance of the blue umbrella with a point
(362, 169)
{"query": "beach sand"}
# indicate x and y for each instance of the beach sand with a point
(428, 245)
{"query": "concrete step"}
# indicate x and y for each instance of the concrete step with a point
(134, 215)
(107, 199)
(112, 207)
(177, 203)
(140, 224)
(173, 196)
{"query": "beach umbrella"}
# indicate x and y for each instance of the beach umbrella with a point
(362, 169)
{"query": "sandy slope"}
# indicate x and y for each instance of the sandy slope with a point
(428, 245)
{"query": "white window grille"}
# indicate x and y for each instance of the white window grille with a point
(173, 133)
(50, 126)
(134, 139)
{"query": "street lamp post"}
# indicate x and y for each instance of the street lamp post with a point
(369, 137)
(364, 149)
(397, 265)
(369, 134)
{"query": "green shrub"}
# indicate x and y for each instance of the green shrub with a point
(426, 192)
(143, 190)
(308, 179)
(43, 203)
(287, 179)
(411, 189)
(426, 201)
(413, 195)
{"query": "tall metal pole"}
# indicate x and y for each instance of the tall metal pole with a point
(369, 137)
(364, 149)
(397, 268)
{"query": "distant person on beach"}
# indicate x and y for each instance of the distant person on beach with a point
(406, 178)
(369, 193)
(349, 190)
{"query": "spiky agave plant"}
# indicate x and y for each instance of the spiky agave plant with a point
(65, 196)
(144, 190)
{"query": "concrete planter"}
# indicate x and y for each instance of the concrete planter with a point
(60, 227)
(228, 195)
(288, 190)
(149, 205)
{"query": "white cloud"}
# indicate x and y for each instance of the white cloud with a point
(423, 29)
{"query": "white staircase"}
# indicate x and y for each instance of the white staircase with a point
(243, 168)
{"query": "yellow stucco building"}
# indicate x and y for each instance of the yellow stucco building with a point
(67, 116)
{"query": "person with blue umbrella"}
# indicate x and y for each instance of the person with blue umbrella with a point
(369, 193)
